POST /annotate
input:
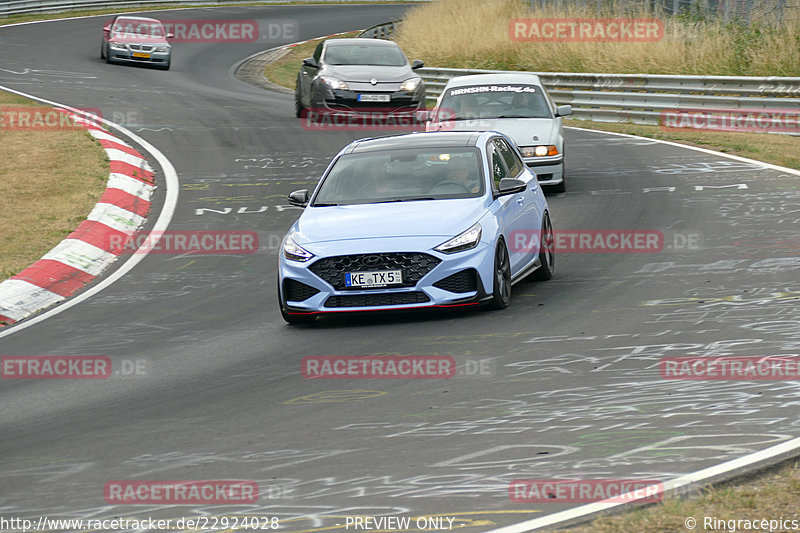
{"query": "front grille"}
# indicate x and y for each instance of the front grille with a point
(414, 266)
(376, 300)
(294, 291)
(141, 47)
(464, 281)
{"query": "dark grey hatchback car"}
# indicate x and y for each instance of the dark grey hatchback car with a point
(359, 75)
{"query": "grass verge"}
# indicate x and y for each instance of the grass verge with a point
(475, 34)
(51, 181)
(284, 70)
(773, 494)
(783, 150)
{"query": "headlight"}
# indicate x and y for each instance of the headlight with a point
(333, 83)
(118, 46)
(295, 252)
(163, 48)
(539, 151)
(463, 241)
(410, 84)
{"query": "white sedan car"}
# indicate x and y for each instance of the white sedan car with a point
(515, 104)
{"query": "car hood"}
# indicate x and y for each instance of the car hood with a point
(364, 73)
(444, 218)
(521, 130)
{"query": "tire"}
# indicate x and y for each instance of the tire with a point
(547, 252)
(298, 102)
(501, 284)
(292, 319)
(108, 55)
(103, 50)
(165, 67)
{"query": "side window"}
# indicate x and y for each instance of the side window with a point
(497, 165)
(513, 162)
(318, 52)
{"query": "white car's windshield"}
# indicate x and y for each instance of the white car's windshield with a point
(402, 175)
(494, 101)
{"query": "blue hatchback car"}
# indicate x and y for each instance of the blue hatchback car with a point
(421, 220)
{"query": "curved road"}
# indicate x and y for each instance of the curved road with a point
(569, 381)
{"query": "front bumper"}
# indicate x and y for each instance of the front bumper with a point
(460, 279)
(347, 101)
(549, 170)
(127, 56)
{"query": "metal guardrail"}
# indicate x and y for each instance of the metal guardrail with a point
(641, 98)
(16, 7)
(380, 31)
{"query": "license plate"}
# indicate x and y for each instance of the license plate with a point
(374, 97)
(380, 278)
(141, 54)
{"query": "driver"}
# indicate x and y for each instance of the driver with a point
(378, 182)
(528, 102)
(458, 171)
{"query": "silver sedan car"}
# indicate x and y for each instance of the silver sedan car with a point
(141, 40)
(516, 104)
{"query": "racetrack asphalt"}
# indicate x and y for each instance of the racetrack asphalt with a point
(571, 384)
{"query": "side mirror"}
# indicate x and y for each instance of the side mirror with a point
(170, 36)
(511, 186)
(299, 198)
(422, 115)
(563, 110)
(417, 64)
(310, 62)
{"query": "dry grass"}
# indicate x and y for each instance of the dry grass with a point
(772, 495)
(475, 34)
(51, 180)
(781, 150)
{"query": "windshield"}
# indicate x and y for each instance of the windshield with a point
(364, 54)
(138, 27)
(402, 175)
(494, 101)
